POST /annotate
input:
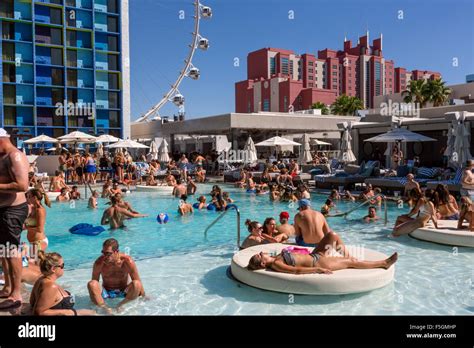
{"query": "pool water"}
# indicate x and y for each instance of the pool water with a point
(185, 273)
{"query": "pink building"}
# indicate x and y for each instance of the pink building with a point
(279, 80)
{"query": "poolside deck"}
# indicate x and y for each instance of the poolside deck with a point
(447, 234)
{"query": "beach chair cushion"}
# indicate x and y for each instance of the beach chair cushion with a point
(427, 173)
(403, 171)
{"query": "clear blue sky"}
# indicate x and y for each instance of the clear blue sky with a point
(432, 33)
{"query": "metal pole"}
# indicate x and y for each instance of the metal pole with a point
(386, 212)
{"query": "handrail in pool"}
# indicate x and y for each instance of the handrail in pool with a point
(364, 203)
(221, 216)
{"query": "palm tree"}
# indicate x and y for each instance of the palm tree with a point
(417, 91)
(322, 106)
(438, 92)
(346, 105)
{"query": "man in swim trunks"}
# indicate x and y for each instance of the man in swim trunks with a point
(123, 204)
(179, 189)
(116, 269)
(312, 229)
(57, 182)
(467, 180)
(63, 197)
(115, 215)
(13, 212)
(372, 215)
(115, 189)
(184, 207)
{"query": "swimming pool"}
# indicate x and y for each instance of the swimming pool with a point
(185, 274)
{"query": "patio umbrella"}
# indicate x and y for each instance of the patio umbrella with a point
(77, 137)
(319, 142)
(107, 138)
(41, 139)
(153, 153)
(100, 150)
(305, 155)
(163, 155)
(127, 144)
(277, 141)
(461, 148)
(345, 151)
(450, 141)
(399, 135)
(250, 151)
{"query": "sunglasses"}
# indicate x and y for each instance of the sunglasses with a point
(61, 266)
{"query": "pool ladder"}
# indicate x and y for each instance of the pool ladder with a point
(220, 217)
(364, 203)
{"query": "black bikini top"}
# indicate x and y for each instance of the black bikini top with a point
(66, 303)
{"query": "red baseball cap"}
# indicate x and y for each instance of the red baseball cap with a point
(284, 215)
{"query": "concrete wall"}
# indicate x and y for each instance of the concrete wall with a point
(47, 164)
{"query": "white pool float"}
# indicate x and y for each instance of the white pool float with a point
(347, 281)
(161, 189)
(52, 195)
(447, 234)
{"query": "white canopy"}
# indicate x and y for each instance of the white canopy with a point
(319, 142)
(250, 151)
(41, 139)
(305, 155)
(399, 135)
(277, 141)
(77, 137)
(128, 144)
(153, 154)
(107, 138)
(346, 155)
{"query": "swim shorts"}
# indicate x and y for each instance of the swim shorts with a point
(113, 293)
(11, 223)
(300, 241)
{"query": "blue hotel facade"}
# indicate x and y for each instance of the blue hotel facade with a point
(56, 52)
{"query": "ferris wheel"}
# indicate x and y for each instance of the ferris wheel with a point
(189, 70)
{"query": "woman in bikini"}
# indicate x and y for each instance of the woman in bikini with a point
(466, 213)
(314, 262)
(49, 298)
(270, 229)
(256, 236)
(424, 210)
(447, 206)
(36, 220)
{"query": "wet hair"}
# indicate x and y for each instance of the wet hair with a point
(225, 194)
(39, 195)
(74, 187)
(95, 192)
(415, 193)
(184, 197)
(328, 201)
(114, 200)
(251, 224)
(201, 199)
(255, 263)
(443, 193)
(111, 242)
(179, 181)
(266, 222)
(63, 190)
(432, 196)
(47, 261)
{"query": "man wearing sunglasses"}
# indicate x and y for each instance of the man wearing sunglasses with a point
(120, 278)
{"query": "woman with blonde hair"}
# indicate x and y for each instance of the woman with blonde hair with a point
(466, 213)
(36, 220)
(49, 298)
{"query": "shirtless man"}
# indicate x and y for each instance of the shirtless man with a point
(410, 185)
(115, 189)
(13, 212)
(285, 226)
(115, 215)
(120, 276)
(93, 200)
(179, 189)
(191, 187)
(467, 180)
(372, 215)
(57, 182)
(123, 204)
(74, 194)
(284, 178)
(311, 229)
(63, 196)
(170, 179)
(185, 208)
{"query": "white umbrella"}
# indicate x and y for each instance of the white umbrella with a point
(100, 150)
(127, 144)
(399, 135)
(345, 151)
(319, 142)
(77, 137)
(153, 154)
(461, 148)
(277, 141)
(163, 155)
(250, 151)
(107, 138)
(41, 139)
(305, 155)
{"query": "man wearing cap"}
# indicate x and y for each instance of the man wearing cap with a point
(312, 230)
(13, 212)
(285, 226)
(467, 180)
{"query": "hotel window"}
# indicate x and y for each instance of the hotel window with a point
(284, 66)
(266, 105)
(334, 86)
(334, 73)
(311, 85)
(334, 66)
(272, 66)
(334, 80)
(291, 67)
(310, 70)
(310, 77)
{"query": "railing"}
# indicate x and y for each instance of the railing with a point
(221, 216)
(369, 200)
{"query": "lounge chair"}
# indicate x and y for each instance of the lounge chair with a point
(343, 179)
(397, 183)
(454, 185)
